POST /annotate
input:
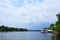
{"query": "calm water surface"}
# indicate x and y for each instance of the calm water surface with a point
(27, 36)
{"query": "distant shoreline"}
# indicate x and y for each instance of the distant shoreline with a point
(6, 29)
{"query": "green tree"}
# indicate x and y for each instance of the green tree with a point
(57, 28)
(58, 16)
(57, 22)
(5, 28)
(51, 27)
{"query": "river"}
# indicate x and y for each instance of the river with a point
(28, 36)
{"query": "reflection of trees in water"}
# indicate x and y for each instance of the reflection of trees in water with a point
(58, 37)
(55, 37)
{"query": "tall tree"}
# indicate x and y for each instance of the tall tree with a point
(58, 16)
(58, 23)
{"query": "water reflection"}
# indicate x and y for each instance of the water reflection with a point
(28, 36)
(55, 37)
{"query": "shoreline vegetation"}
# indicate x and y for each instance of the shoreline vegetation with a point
(8, 29)
(55, 27)
(12, 29)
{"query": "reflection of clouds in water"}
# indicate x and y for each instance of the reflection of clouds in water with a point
(28, 36)
(1, 36)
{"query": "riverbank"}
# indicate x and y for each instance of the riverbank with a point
(56, 32)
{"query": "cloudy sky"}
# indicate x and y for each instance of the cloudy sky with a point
(30, 14)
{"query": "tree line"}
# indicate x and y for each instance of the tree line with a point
(56, 26)
(5, 28)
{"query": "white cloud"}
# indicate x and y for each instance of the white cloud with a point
(32, 11)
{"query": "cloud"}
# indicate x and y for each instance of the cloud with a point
(24, 12)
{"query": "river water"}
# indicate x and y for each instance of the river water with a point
(28, 36)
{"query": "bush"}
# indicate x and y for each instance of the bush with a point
(57, 28)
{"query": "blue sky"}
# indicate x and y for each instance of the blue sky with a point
(30, 14)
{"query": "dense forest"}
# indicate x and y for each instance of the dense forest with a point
(5, 28)
(56, 26)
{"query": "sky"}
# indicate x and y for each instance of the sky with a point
(30, 14)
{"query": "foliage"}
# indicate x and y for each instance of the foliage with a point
(57, 22)
(58, 16)
(56, 26)
(51, 27)
(5, 28)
